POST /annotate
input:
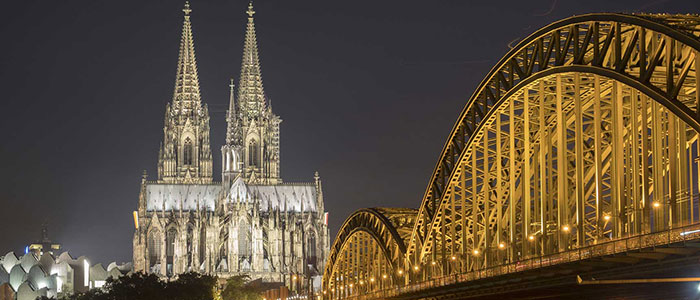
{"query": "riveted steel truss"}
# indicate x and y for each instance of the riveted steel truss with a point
(368, 250)
(585, 133)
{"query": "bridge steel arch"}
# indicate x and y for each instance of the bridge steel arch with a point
(368, 249)
(585, 133)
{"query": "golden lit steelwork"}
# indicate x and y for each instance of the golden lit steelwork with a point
(583, 134)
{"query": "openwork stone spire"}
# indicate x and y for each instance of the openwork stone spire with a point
(186, 97)
(251, 96)
(185, 155)
(252, 148)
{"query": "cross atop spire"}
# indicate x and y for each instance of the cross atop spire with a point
(187, 9)
(250, 11)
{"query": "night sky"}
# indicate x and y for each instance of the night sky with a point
(368, 91)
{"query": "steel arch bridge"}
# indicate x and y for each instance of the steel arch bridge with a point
(582, 141)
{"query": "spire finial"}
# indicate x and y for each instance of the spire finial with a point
(231, 84)
(187, 9)
(250, 11)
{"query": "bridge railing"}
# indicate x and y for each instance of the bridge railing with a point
(638, 242)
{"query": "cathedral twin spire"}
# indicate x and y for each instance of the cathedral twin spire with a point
(186, 96)
(251, 96)
(252, 134)
(185, 155)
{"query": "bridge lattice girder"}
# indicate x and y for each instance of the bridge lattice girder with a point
(370, 244)
(584, 133)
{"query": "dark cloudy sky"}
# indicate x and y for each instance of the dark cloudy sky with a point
(368, 91)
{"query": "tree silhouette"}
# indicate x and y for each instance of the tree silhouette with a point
(139, 286)
(236, 289)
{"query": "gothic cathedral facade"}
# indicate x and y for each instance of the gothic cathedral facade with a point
(251, 222)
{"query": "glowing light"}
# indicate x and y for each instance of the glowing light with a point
(384, 276)
(324, 292)
(476, 251)
(371, 279)
(501, 246)
(566, 228)
(690, 232)
(415, 268)
(351, 285)
(136, 219)
(532, 237)
(453, 257)
(294, 277)
(59, 284)
(86, 271)
(400, 272)
(698, 287)
(432, 263)
(606, 217)
(362, 282)
(656, 204)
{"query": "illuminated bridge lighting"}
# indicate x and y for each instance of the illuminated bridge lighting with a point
(581, 142)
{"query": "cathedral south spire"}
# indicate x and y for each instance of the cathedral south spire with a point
(185, 155)
(186, 96)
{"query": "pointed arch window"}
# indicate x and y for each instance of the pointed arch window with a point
(190, 250)
(253, 154)
(202, 245)
(311, 248)
(170, 249)
(187, 152)
(154, 244)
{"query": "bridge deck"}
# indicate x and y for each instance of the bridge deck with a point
(607, 251)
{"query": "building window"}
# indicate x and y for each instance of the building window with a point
(187, 152)
(202, 245)
(170, 249)
(311, 248)
(190, 233)
(253, 154)
(154, 244)
(244, 240)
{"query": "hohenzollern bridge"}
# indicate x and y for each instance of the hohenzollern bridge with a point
(576, 158)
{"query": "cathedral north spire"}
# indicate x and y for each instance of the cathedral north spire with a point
(252, 135)
(251, 96)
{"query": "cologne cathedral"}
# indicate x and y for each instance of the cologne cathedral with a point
(251, 223)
